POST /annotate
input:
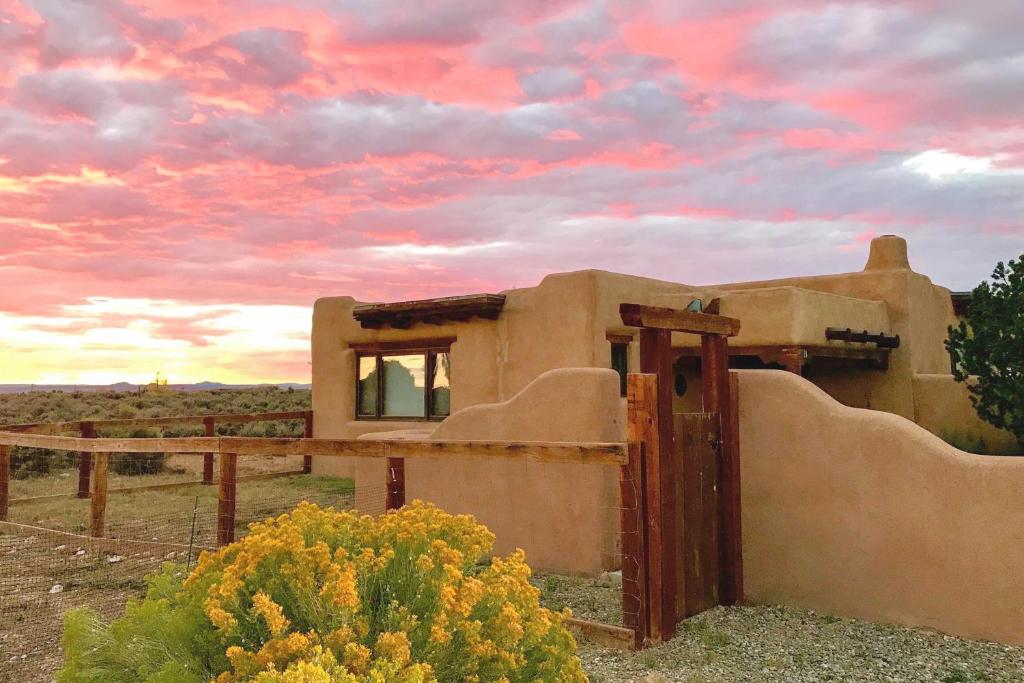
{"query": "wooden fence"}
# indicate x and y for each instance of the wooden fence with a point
(88, 429)
(657, 588)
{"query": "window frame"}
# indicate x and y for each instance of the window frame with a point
(383, 351)
(620, 342)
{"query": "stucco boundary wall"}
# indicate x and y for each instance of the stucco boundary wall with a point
(565, 516)
(865, 514)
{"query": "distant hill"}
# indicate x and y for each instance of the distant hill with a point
(124, 387)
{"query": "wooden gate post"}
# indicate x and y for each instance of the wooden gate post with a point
(715, 384)
(307, 461)
(395, 484)
(226, 499)
(98, 504)
(641, 399)
(659, 463)
(732, 557)
(85, 461)
(210, 430)
(5, 481)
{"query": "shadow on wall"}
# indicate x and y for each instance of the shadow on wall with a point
(943, 406)
(866, 514)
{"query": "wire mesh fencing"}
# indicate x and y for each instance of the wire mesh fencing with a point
(49, 562)
(612, 596)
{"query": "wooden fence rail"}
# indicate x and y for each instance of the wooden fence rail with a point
(229, 448)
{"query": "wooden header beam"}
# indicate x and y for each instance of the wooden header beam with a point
(612, 453)
(795, 356)
(675, 320)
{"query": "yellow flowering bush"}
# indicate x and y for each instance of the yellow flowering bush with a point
(326, 596)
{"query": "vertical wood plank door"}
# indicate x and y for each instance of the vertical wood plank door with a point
(697, 448)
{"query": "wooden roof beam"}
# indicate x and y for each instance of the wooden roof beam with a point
(676, 320)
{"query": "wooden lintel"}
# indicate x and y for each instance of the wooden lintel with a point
(676, 320)
(423, 344)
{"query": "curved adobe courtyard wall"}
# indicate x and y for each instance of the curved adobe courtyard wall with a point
(865, 514)
(564, 516)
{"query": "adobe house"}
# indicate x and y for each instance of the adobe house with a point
(851, 504)
(405, 367)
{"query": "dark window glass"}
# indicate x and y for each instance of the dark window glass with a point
(404, 385)
(680, 377)
(620, 364)
(441, 388)
(366, 391)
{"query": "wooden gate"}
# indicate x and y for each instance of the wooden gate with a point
(689, 546)
(697, 452)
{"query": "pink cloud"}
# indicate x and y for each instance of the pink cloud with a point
(225, 153)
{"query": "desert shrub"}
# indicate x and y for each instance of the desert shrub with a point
(333, 597)
(31, 462)
(138, 463)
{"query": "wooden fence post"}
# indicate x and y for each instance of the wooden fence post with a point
(307, 461)
(395, 483)
(226, 499)
(5, 481)
(98, 504)
(660, 484)
(211, 430)
(85, 461)
(641, 398)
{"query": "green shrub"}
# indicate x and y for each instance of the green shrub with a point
(31, 462)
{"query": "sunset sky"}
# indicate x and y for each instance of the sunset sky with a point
(180, 180)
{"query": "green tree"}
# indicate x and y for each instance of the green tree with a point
(987, 349)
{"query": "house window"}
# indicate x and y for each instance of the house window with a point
(403, 384)
(620, 358)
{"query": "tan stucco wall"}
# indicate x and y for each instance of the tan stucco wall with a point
(564, 516)
(943, 406)
(865, 514)
(917, 310)
(793, 315)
